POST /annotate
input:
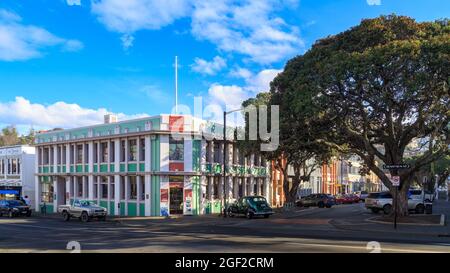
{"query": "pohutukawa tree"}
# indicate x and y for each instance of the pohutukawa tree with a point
(297, 148)
(379, 86)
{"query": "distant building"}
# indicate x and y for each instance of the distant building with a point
(339, 176)
(17, 167)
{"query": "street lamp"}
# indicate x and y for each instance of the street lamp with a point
(225, 113)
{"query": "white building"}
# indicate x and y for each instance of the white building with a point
(17, 166)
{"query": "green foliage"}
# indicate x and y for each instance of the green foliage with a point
(9, 137)
(372, 89)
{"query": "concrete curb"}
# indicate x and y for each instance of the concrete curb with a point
(441, 223)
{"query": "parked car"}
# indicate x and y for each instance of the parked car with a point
(343, 199)
(419, 194)
(320, 200)
(362, 195)
(382, 201)
(250, 206)
(14, 208)
(353, 198)
(85, 210)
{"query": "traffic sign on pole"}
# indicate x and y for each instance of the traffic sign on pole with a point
(395, 180)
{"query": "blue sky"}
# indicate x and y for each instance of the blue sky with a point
(65, 63)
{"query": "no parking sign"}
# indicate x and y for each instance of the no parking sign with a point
(395, 180)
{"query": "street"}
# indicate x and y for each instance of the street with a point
(340, 229)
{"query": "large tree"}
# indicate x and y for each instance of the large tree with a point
(380, 86)
(297, 148)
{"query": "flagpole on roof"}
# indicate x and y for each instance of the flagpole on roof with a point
(176, 84)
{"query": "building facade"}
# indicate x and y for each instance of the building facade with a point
(17, 166)
(141, 168)
(339, 176)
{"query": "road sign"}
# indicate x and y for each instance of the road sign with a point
(395, 180)
(396, 166)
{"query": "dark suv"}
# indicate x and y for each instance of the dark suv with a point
(320, 200)
(14, 208)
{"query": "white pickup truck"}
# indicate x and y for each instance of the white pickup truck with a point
(82, 209)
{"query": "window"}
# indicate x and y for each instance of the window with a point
(104, 187)
(86, 156)
(112, 189)
(142, 151)
(14, 166)
(132, 145)
(142, 193)
(216, 152)
(122, 151)
(95, 159)
(79, 154)
(215, 193)
(122, 187)
(47, 193)
(96, 187)
(104, 152)
(176, 150)
(80, 186)
(113, 152)
(133, 188)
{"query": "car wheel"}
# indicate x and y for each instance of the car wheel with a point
(29, 213)
(321, 205)
(1, 214)
(266, 216)
(328, 206)
(230, 213)
(103, 218)
(249, 215)
(84, 217)
(66, 216)
(374, 210)
(387, 209)
(420, 209)
(10, 214)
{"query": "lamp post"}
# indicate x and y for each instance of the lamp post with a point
(224, 171)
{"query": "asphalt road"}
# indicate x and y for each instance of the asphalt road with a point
(310, 230)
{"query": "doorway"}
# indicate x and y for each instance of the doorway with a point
(61, 198)
(176, 198)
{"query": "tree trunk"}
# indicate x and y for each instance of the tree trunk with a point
(400, 200)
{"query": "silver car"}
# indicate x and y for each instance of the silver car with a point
(85, 210)
(382, 201)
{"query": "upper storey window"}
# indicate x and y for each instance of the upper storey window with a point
(176, 150)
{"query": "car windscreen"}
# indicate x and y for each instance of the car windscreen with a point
(257, 200)
(85, 203)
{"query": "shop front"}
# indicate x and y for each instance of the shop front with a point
(10, 192)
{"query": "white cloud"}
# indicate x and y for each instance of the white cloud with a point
(250, 28)
(21, 112)
(208, 68)
(233, 95)
(127, 41)
(23, 42)
(132, 15)
(373, 2)
(73, 2)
